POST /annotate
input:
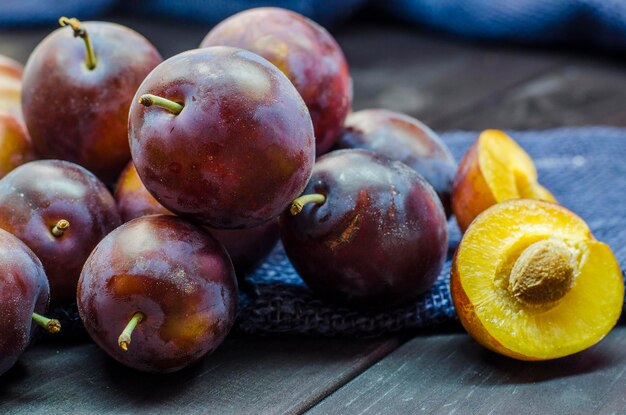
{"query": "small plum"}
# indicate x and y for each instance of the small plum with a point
(76, 94)
(133, 199)
(163, 283)
(61, 211)
(10, 86)
(16, 147)
(368, 232)
(305, 52)
(24, 296)
(403, 138)
(220, 136)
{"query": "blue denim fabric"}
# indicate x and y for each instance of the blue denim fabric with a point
(28, 12)
(583, 167)
(25, 12)
(580, 21)
(586, 21)
(325, 12)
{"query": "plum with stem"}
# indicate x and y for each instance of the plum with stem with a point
(24, 298)
(368, 231)
(158, 293)
(220, 136)
(77, 88)
(61, 211)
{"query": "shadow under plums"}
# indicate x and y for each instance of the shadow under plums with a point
(141, 389)
(502, 370)
(17, 373)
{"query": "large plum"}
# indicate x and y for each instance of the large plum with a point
(162, 283)
(219, 135)
(368, 232)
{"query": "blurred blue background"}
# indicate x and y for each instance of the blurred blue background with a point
(590, 22)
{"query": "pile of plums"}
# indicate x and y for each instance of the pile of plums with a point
(212, 157)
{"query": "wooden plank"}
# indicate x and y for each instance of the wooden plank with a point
(453, 374)
(245, 375)
(580, 92)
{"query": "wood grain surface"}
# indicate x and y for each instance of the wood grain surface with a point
(245, 376)
(452, 374)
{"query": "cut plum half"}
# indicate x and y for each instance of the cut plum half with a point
(529, 281)
(493, 170)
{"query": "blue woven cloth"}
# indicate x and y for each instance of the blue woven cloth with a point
(27, 12)
(325, 12)
(575, 21)
(583, 167)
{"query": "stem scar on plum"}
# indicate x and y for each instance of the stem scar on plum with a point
(543, 273)
(79, 31)
(124, 340)
(298, 204)
(148, 100)
(51, 325)
(60, 227)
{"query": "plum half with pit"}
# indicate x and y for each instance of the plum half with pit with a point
(305, 52)
(220, 136)
(247, 247)
(368, 231)
(403, 138)
(24, 297)
(163, 283)
(61, 211)
(77, 88)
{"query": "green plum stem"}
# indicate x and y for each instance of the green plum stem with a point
(124, 340)
(79, 31)
(298, 204)
(149, 100)
(52, 325)
(60, 227)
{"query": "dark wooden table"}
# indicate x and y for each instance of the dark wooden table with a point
(449, 85)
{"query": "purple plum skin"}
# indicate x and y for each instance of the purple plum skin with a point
(403, 138)
(305, 52)
(133, 199)
(81, 115)
(240, 150)
(23, 290)
(247, 247)
(178, 276)
(379, 239)
(35, 196)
